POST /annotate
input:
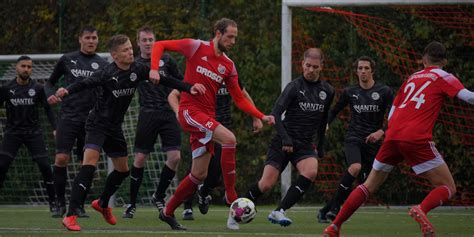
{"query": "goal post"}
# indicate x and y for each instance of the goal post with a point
(24, 183)
(286, 38)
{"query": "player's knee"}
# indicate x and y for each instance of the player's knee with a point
(452, 189)
(172, 159)
(61, 160)
(310, 174)
(265, 185)
(354, 169)
(229, 138)
(140, 160)
(200, 175)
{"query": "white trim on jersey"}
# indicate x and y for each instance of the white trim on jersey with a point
(379, 166)
(431, 164)
(466, 96)
(199, 152)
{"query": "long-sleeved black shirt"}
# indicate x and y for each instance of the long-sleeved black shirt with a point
(21, 103)
(306, 105)
(368, 108)
(116, 88)
(224, 105)
(154, 98)
(75, 66)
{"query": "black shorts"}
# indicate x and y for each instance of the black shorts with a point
(33, 140)
(67, 133)
(152, 124)
(109, 138)
(357, 151)
(279, 159)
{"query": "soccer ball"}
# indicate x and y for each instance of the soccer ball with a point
(243, 210)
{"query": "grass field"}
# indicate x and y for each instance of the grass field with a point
(36, 221)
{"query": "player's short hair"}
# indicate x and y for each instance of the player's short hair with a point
(22, 58)
(222, 24)
(314, 53)
(373, 65)
(435, 52)
(87, 28)
(144, 28)
(115, 41)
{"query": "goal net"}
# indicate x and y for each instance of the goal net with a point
(24, 184)
(394, 35)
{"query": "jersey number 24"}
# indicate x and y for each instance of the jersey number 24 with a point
(418, 97)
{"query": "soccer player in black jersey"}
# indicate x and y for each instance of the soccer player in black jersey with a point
(155, 118)
(368, 101)
(306, 101)
(223, 115)
(116, 84)
(72, 67)
(22, 97)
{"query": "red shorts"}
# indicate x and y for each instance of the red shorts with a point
(422, 156)
(201, 127)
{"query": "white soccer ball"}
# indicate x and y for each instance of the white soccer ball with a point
(243, 210)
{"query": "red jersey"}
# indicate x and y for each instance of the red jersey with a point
(418, 103)
(205, 67)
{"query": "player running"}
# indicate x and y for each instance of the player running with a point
(206, 63)
(117, 83)
(368, 101)
(306, 100)
(409, 137)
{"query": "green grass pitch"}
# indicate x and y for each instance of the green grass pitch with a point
(36, 221)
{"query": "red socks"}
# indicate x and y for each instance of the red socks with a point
(186, 188)
(228, 171)
(435, 198)
(357, 197)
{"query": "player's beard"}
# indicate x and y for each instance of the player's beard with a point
(24, 76)
(221, 47)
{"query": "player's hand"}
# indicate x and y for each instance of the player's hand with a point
(61, 92)
(257, 125)
(375, 136)
(288, 149)
(269, 119)
(154, 77)
(53, 100)
(198, 89)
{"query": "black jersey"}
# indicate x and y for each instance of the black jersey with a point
(116, 88)
(22, 102)
(368, 107)
(223, 105)
(307, 105)
(75, 66)
(154, 98)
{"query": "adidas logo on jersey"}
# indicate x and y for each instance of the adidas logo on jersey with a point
(204, 58)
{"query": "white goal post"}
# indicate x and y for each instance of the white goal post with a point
(286, 40)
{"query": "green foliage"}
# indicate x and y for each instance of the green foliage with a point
(34, 28)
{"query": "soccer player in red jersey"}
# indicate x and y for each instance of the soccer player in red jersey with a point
(409, 136)
(208, 64)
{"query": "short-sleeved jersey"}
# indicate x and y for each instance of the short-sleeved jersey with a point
(21, 103)
(154, 98)
(116, 88)
(306, 105)
(73, 67)
(368, 108)
(418, 103)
